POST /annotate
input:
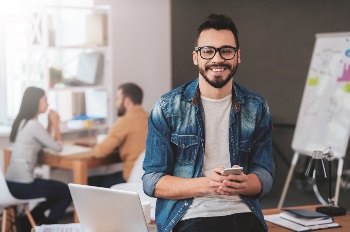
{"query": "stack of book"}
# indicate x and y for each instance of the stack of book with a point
(302, 220)
(71, 227)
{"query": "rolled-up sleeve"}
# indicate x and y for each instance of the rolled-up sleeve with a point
(159, 159)
(262, 162)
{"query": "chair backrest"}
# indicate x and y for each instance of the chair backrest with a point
(6, 198)
(137, 171)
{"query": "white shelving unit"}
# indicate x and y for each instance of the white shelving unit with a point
(59, 35)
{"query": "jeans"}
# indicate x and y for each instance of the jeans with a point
(106, 181)
(241, 222)
(57, 196)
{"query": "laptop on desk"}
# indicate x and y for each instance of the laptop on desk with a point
(108, 210)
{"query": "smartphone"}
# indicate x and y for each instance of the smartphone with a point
(234, 171)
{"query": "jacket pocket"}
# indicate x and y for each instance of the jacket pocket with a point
(246, 145)
(186, 148)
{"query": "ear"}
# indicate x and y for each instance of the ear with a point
(194, 58)
(239, 56)
(127, 101)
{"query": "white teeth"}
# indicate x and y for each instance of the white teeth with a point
(218, 69)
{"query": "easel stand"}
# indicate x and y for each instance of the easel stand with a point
(291, 171)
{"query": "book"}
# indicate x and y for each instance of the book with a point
(72, 227)
(306, 221)
(306, 213)
(276, 219)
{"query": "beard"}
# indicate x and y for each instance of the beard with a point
(121, 110)
(218, 82)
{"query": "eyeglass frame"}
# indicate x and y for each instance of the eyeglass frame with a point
(196, 49)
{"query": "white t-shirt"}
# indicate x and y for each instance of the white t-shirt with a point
(217, 123)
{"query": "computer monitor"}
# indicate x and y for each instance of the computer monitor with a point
(96, 103)
(90, 68)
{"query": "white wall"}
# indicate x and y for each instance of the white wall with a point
(142, 45)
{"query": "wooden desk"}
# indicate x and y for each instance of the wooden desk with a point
(344, 221)
(79, 163)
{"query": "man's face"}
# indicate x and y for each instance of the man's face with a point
(120, 103)
(216, 71)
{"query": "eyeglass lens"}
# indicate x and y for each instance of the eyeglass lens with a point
(226, 53)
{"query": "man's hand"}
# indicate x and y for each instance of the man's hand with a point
(173, 187)
(234, 185)
(216, 180)
(230, 185)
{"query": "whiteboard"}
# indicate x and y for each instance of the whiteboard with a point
(324, 114)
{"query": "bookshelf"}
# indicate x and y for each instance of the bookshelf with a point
(70, 54)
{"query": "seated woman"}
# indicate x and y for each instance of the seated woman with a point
(28, 138)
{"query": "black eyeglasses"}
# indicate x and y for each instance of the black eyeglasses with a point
(208, 52)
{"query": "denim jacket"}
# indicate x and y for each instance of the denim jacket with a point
(176, 139)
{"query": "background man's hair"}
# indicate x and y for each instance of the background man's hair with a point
(217, 22)
(133, 91)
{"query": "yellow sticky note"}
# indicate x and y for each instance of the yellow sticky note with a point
(346, 88)
(313, 81)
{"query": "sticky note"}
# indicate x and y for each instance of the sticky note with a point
(346, 88)
(313, 81)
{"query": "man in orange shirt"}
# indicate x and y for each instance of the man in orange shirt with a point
(128, 135)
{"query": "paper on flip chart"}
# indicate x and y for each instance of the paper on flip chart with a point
(72, 227)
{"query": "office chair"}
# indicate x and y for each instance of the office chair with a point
(9, 203)
(134, 182)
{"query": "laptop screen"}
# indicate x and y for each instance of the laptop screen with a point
(108, 210)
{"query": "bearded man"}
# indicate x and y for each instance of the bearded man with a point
(128, 135)
(202, 127)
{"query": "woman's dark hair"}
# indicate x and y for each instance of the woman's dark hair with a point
(133, 91)
(217, 22)
(29, 108)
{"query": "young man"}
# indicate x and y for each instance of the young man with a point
(201, 127)
(128, 134)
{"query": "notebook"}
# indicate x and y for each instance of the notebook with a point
(305, 213)
(306, 221)
(107, 210)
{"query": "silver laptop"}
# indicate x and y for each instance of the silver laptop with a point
(108, 210)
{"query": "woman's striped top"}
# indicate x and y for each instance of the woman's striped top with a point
(30, 139)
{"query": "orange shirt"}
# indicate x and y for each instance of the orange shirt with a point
(128, 134)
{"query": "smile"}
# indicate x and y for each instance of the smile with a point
(217, 69)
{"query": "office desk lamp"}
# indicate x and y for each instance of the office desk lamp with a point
(315, 168)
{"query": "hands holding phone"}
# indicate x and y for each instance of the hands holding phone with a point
(229, 181)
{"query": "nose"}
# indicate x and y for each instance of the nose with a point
(217, 57)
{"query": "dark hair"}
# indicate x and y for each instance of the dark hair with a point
(133, 91)
(28, 109)
(218, 22)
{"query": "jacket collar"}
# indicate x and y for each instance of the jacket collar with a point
(192, 94)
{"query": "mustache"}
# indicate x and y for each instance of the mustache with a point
(218, 65)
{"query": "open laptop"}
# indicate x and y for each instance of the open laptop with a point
(108, 210)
